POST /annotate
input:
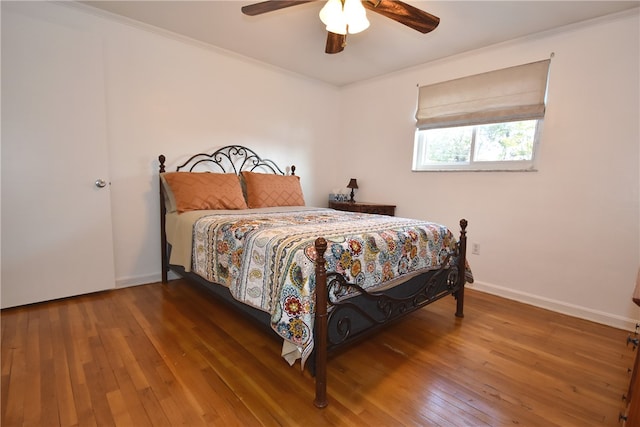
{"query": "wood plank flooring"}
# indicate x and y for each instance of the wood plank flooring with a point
(167, 355)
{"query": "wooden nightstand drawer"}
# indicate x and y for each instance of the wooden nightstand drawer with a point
(370, 208)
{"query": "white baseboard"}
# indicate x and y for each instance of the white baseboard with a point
(125, 282)
(609, 319)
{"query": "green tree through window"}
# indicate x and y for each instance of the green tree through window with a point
(494, 146)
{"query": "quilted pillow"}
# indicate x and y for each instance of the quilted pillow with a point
(265, 190)
(202, 190)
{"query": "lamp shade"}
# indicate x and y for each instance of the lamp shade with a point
(356, 16)
(333, 17)
(353, 183)
(337, 27)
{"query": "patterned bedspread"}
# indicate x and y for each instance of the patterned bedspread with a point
(267, 260)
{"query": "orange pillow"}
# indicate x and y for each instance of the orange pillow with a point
(265, 190)
(202, 190)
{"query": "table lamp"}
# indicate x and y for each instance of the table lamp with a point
(353, 184)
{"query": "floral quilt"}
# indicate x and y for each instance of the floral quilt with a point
(267, 260)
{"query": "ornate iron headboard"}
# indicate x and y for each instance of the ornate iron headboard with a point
(232, 158)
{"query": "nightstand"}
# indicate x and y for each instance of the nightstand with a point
(362, 207)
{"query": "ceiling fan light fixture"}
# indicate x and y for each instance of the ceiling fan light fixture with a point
(339, 17)
(338, 28)
(359, 26)
(355, 16)
(342, 16)
(331, 13)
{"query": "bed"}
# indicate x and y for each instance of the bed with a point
(319, 279)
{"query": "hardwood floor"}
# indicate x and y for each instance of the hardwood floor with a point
(174, 355)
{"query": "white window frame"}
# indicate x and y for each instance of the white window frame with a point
(420, 146)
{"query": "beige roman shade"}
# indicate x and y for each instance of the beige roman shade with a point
(515, 93)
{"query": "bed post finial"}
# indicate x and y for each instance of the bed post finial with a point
(162, 159)
(293, 169)
(321, 324)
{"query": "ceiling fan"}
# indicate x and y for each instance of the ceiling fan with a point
(399, 11)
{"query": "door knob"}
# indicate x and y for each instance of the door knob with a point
(101, 183)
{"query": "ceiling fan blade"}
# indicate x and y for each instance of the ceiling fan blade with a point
(404, 13)
(269, 6)
(335, 42)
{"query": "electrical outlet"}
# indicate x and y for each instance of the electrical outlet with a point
(475, 249)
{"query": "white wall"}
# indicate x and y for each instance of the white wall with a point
(169, 97)
(565, 237)
(175, 97)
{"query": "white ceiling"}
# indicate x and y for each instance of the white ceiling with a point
(294, 38)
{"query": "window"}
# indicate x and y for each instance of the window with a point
(489, 121)
(495, 146)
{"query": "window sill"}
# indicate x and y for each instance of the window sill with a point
(473, 170)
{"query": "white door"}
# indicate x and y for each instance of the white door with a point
(56, 223)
